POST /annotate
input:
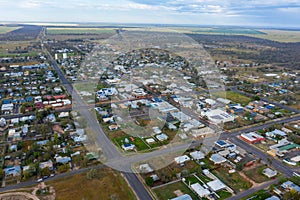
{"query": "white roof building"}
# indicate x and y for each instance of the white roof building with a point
(217, 158)
(269, 173)
(216, 185)
(201, 191)
(218, 116)
(162, 137)
(150, 140)
(145, 168)
(197, 155)
(182, 159)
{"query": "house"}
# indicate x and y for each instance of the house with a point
(2, 122)
(217, 159)
(162, 137)
(252, 137)
(224, 101)
(269, 173)
(128, 147)
(221, 143)
(171, 126)
(63, 160)
(197, 155)
(216, 185)
(180, 116)
(155, 177)
(150, 140)
(201, 191)
(145, 168)
(113, 127)
(183, 197)
(63, 114)
(275, 133)
(224, 153)
(48, 164)
(13, 171)
(182, 159)
(273, 198)
(289, 185)
(7, 108)
(58, 90)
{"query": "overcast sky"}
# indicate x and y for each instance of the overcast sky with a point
(274, 13)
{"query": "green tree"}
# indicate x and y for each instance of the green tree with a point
(149, 181)
(45, 172)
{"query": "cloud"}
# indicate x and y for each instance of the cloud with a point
(31, 4)
(239, 12)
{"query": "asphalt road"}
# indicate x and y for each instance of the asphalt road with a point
(114, 157)
(253, 190)
(108, 148)
(59, 176)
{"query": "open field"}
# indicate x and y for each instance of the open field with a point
(79, 31)
(275, 35)
(234, 181)
(7, 29)
(107, 184)
(167, 192)
(256, 174)
(280, 35)
(233, 96)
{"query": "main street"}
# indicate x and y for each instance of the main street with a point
(108, 148)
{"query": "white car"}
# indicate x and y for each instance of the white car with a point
(39, 180)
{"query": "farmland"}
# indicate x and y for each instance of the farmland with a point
(79, 31)
(7, 29)
(280, 35)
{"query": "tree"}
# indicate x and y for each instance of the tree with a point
(45, 172)
(291, 195)
(63, 168)
(2, 173)
(149, 181)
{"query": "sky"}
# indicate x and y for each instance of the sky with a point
(271, 13)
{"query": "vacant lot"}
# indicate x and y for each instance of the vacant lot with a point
(78, 31)
(233, 96)
(7, 29)
(234, 181)
(107, 184)
(167, 192)
(256, 174)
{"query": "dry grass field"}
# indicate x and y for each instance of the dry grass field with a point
(107, 184)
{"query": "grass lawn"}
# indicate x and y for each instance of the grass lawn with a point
(204, 178)
(108, 184)
(138, 142)
(191, 180)
(167, 192)
(259, 195)
(233, 96)
(234, 181)
(224, 194)
(79, 31)
(7, 29)
(256, 174)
